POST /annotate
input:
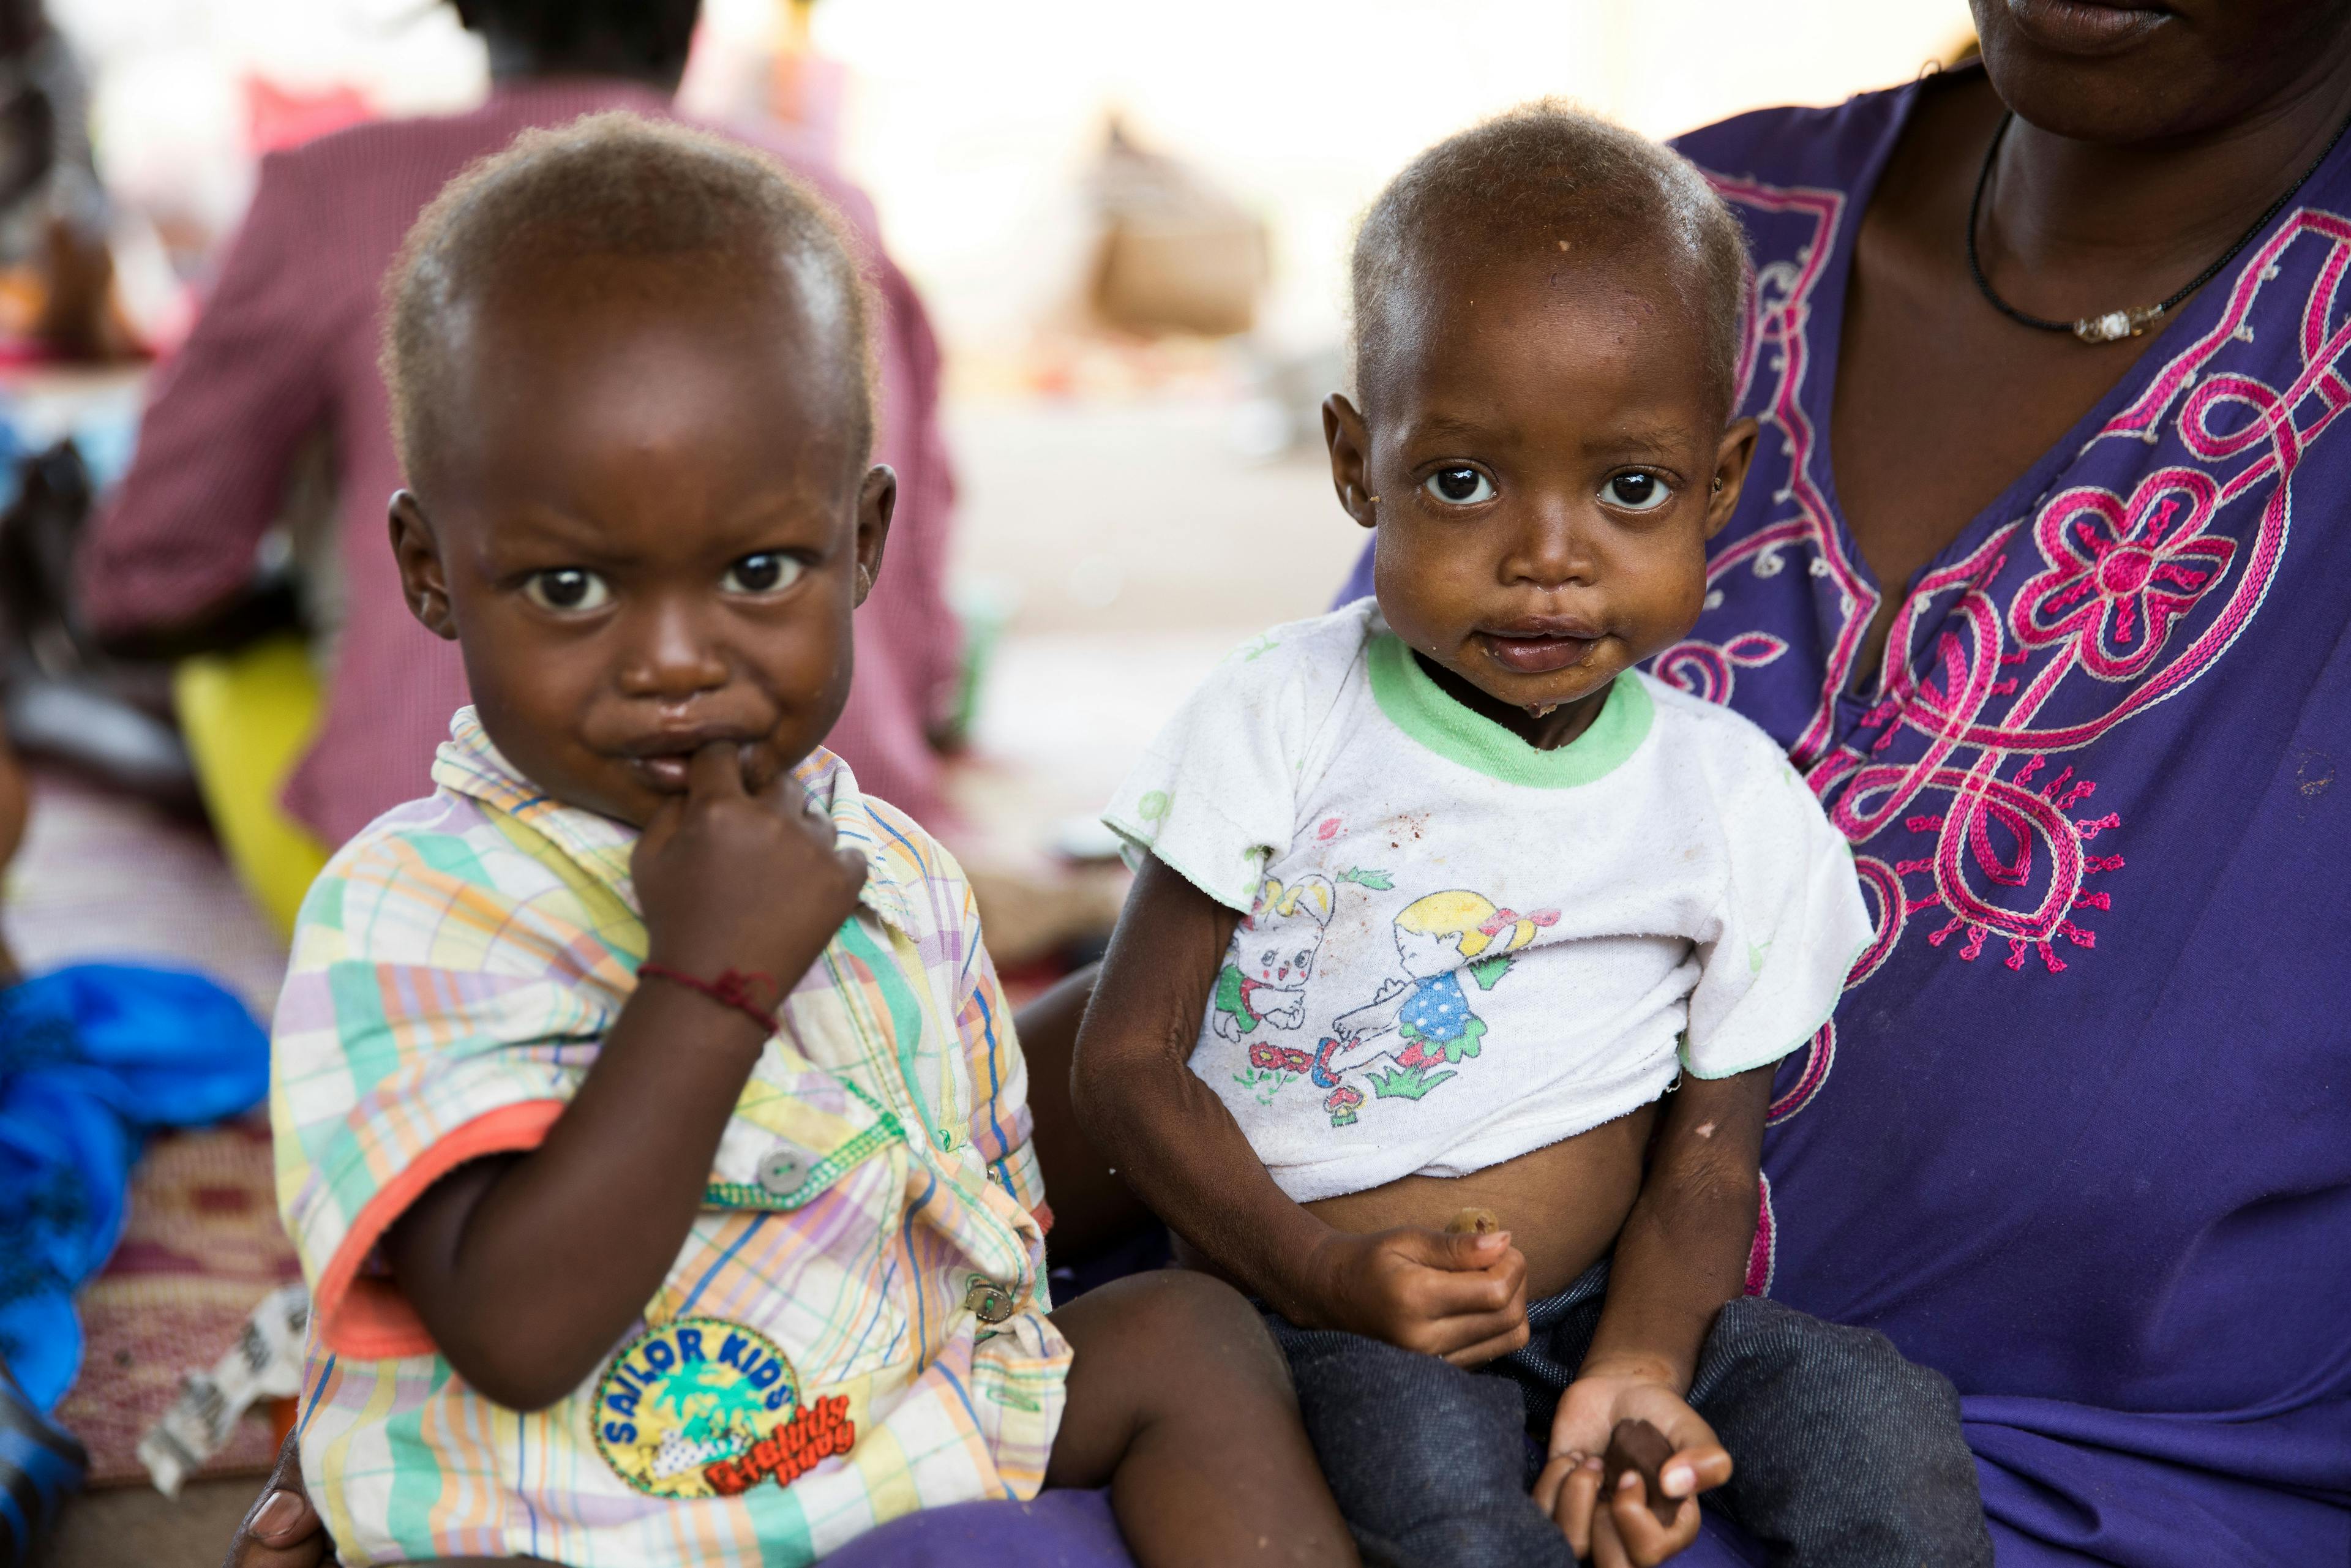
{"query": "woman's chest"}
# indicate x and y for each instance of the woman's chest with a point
(2088, 700)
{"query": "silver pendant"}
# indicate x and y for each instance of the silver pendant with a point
(2116, 324)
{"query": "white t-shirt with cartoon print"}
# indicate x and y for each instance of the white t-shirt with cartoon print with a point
(1457, 948)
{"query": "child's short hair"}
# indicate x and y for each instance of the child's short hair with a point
(610, 185)
(1547, 170)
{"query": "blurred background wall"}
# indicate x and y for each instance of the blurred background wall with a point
(971, 122)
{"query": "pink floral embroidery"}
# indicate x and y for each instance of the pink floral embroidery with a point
(2120, 574)
(1708, 672)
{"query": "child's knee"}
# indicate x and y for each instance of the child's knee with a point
(1196, 1331)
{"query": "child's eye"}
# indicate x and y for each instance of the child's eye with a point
(1636, 492)
(1459, 485)
(567, 588)
(762, 573)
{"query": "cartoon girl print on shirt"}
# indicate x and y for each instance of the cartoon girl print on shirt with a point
(1439, 938)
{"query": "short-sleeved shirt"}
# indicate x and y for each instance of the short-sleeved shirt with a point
(1457, 948)
(855, 1327)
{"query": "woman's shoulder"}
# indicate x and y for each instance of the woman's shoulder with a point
(1829, 146)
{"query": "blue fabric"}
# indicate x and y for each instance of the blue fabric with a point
(2079, 1136)
(91, 1058)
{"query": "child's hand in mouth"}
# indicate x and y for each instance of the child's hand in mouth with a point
(730, 879)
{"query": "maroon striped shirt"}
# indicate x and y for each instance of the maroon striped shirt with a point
(286, 346)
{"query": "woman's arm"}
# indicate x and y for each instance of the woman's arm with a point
(1173, 1141)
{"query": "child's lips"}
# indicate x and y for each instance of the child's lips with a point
(665, 762)
(665, 772)
(1536, 654)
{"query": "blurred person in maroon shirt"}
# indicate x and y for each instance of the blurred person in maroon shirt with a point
(286, 350)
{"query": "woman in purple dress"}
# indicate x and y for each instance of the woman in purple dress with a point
(2079, 1136)
(2060, 634)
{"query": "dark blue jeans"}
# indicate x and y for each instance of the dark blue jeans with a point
(1847, 1456)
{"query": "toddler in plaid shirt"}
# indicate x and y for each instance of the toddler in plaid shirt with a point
(650, 1120)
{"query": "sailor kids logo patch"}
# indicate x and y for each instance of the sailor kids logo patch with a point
(703, 1408)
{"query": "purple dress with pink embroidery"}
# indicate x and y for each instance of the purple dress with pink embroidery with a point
(2080, 1134)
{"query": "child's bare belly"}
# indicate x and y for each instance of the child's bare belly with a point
(1563, 1204)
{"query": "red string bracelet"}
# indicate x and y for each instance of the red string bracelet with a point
(732, 988)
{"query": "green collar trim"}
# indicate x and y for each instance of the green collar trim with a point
(1417, 705)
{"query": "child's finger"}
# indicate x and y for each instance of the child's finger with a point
(1555, 1471)
(1645, 1541)
(716, 769)
(1578, 1495)
(1566, 1491)
(661, 828)
(784, 793)
(1607, 1546)
(1512, 1336)
(1456, 1251)
(1698, 1468)
(1445, 1293)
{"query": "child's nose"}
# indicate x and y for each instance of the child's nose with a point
(675, 656)
(1554, 551)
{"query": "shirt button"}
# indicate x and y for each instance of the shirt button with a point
(780, 1173)
(990, 1304)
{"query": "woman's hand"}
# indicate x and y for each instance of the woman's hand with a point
(282, 1529)
(1462, 1297)
(1626, 1534)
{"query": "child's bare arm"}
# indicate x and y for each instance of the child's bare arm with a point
(1174, 1140)
(1682, 1254)
(1683, 1249)
(525, 1269)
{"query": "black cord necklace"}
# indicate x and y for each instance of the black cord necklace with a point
(2116, 324)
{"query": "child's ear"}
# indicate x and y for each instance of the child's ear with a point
(877, 500)
(422, 582)
(1349, 441)
(1730, 461)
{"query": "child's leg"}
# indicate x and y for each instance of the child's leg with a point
(1428, 1461)
(1178, 1399)
(1848, 1455)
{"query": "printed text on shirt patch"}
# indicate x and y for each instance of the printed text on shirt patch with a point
(703, 1408)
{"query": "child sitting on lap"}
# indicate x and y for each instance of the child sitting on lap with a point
(1439, 896)
(649, 1120)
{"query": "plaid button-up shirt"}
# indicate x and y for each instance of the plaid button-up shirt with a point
(817, 1361)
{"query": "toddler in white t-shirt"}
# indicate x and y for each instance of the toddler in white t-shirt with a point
(1444, 906)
